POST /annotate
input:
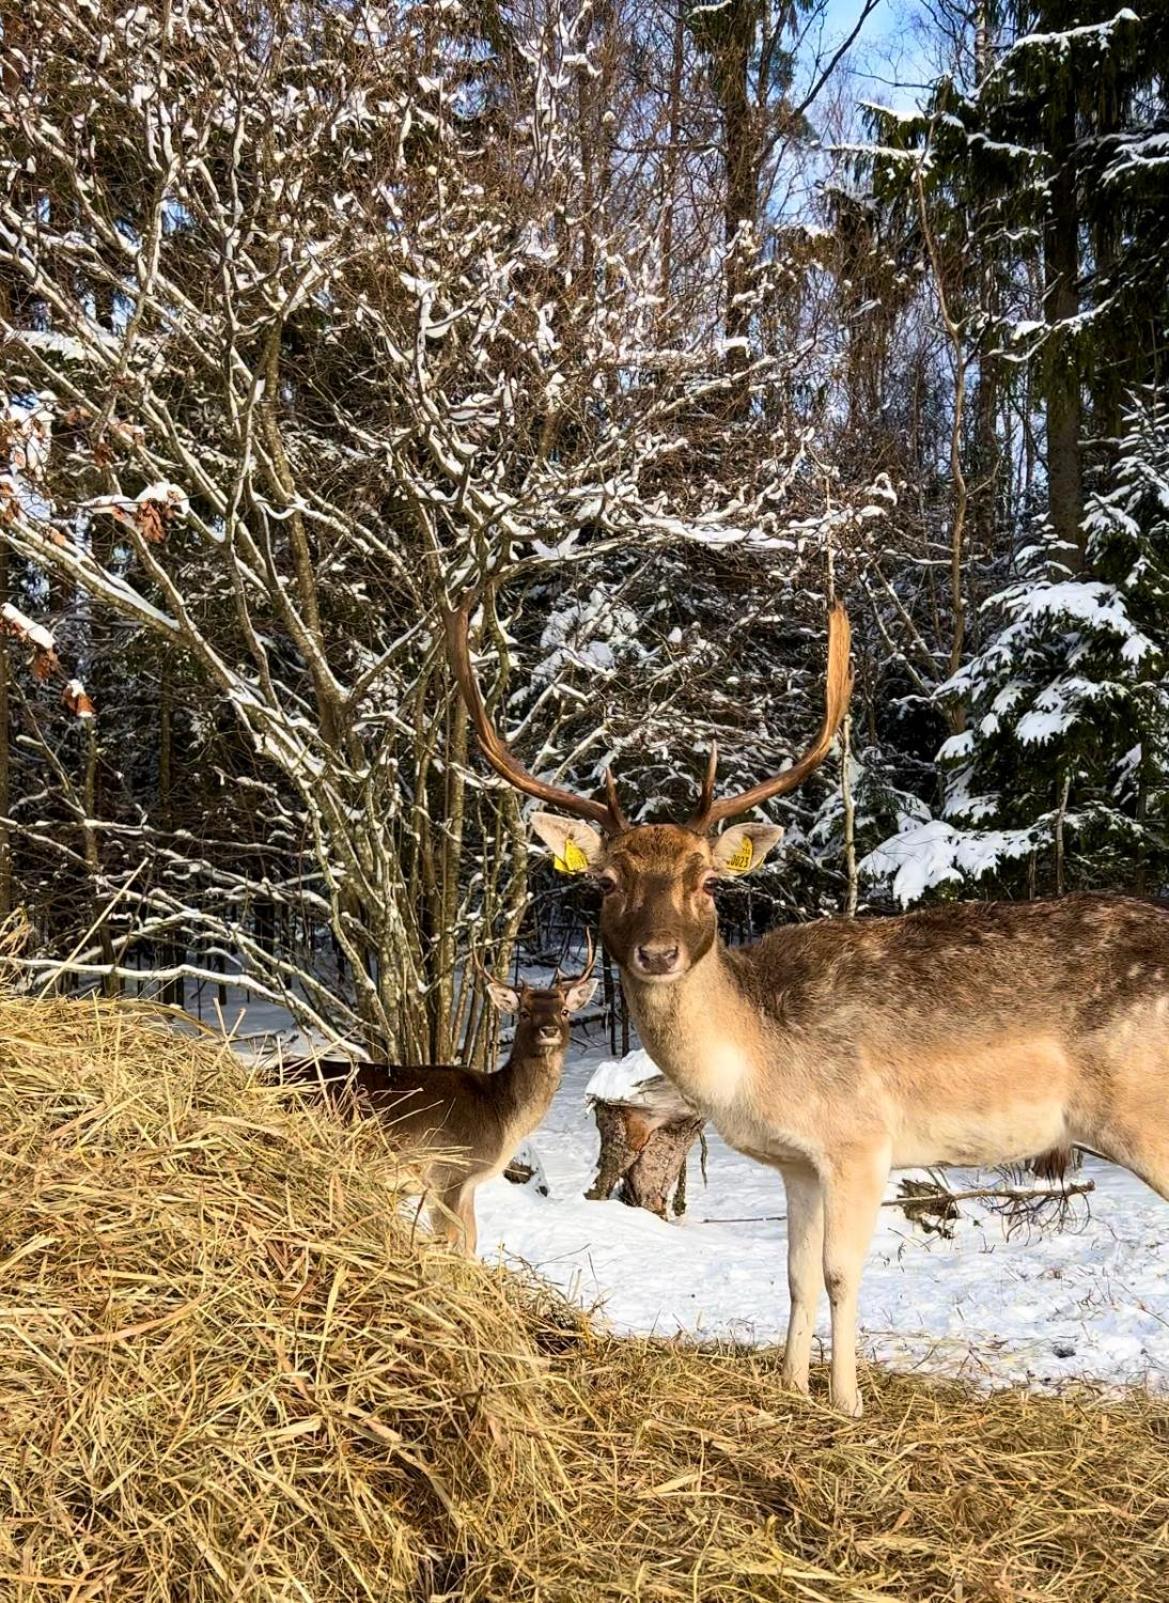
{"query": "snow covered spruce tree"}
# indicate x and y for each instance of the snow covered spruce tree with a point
(1060, 780)
(1044, 131)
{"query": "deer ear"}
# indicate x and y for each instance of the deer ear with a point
(503, 998)
(579, 994)
(575, 846)
(744, 846)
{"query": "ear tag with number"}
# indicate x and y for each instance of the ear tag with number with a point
(740, 861)
(574, 860)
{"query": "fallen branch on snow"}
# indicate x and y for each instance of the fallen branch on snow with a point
(991, 1193)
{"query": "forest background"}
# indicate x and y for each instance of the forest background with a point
(659, 324)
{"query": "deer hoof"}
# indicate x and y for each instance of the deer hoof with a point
(851, 1407)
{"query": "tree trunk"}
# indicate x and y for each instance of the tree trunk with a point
(173, 991)
(5, 781)
(1061, 303)
(741, 158)
(594, 101)
(670, 165)
(92, 851)
(987, 462)
(610, 999)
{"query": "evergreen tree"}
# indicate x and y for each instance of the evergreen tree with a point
(1059, 781)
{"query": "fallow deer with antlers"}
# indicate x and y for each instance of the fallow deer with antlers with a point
(970, 1033)
(462, 1127)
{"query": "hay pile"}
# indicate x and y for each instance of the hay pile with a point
(230, 1370)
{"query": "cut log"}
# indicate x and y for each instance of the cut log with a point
(645, 1141)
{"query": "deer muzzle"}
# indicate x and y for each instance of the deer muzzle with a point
(656, 960)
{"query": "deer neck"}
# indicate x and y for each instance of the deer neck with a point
(700, 1030)
(525, 1085)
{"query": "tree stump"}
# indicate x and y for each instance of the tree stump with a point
(645, 1142)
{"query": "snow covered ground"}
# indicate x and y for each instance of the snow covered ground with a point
(1087, 1304)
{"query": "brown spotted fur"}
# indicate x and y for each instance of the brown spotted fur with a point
(969, 1033)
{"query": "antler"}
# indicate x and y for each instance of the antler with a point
(482, 972)
(565, 980)
(608, 814)
(836, 694)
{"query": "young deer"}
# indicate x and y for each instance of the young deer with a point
(972, 1033)
(462, 1126)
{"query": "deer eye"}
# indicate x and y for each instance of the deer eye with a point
(525, 1013)
(709, 881)
(607, 883)
(563, 1012)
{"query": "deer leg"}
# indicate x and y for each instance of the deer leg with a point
(466, 1212)
(442, 1220)
(1135, 1130)
(805, 1272)
(1145, 1154)
(852, 1195)
(454, 1207)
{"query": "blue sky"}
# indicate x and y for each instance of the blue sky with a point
(884, 57)
(843, 13)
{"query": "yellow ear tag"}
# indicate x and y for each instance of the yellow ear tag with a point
(574, 860)
(741, 860)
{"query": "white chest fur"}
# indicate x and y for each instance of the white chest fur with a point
(720, 1078)
(716, 1075)
(715, 1051)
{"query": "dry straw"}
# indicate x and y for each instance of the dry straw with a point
(231, 1370)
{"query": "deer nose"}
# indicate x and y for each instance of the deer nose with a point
(549, 1033)
(657, 958)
